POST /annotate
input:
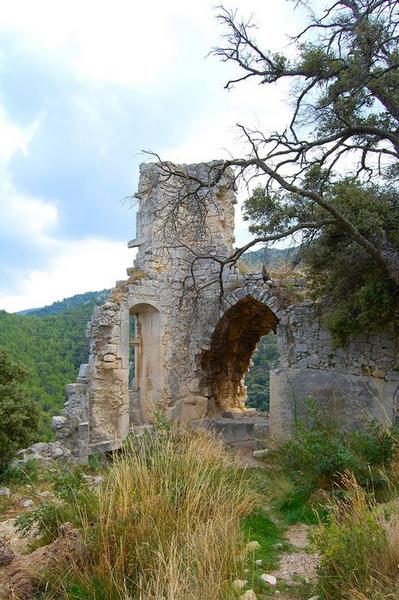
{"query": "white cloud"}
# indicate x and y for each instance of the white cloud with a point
(216, 134)
(77, 267)
(97, 40)
(22, 216)
(70, 266)
(14, 138)
(147, 45)
(127, 41)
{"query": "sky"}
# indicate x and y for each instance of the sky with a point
(85, 87)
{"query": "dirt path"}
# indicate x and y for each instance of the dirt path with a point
(298, 565)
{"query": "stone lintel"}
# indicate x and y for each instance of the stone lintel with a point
(134, 243)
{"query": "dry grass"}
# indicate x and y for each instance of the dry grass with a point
(168, 523)
(359, 549)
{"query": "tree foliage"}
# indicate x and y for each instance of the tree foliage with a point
(19, 413)
(257, 379)
(353, 294)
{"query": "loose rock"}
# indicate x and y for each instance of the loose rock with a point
(239, 584)
(45, 494)
(20, 578)
(260, 453)
(249, 595)
(252, 546)
(4, 491)
(7, 555)
(26, 503)
(270, 579)
(43, 453)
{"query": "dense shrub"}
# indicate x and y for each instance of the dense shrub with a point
(354, 295)
(319, 452)
(19, 414)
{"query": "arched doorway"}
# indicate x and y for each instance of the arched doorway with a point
(233, 343)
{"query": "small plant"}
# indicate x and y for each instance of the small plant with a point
(160, 422)
(28, 473)
(75, 503)
(97, 461)
(319, 452)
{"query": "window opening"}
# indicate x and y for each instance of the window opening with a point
(134, 343)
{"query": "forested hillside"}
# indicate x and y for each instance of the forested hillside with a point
(88, 298)
(258, 377)
(51, 343)
(272, 257)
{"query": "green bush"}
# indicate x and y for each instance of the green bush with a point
(28, 473)
(319, 452)
(19, 414)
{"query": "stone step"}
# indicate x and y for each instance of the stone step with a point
(237, 432)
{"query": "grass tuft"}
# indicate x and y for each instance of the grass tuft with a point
(166, 523)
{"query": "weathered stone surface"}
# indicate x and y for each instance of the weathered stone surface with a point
(348, 399)
(248, 595)
(260, 453)
(43, 453)
(270, 579)
(20, 577)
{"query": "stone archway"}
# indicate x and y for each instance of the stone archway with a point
(233, 343)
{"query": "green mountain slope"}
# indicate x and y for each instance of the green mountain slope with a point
(88, 298)
(272, 257)
(51, 343)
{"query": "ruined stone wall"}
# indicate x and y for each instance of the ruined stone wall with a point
(351, 384)
(204, 329)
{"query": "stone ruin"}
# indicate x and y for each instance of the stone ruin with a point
(177, 337)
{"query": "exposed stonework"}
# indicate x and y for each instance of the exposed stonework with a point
(351, 384)
(167, 340)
